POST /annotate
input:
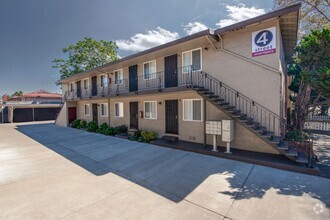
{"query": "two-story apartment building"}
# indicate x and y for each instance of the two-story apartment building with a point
(237, 72)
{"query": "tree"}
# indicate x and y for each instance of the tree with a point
(17, 93)
(311, 83)
(314, 13)
(85, 55)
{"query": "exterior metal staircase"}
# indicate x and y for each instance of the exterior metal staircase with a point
(259, 120)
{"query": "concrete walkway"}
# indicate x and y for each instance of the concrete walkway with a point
(49, 172)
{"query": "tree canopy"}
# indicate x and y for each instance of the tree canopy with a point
(314, 13)
(85, 55)
(311, 71)
(17, 93)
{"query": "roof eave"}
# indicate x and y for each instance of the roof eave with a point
(154, 49)
(270, 15)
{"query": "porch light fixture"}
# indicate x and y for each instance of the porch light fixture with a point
(160, 103)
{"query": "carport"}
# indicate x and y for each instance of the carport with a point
(29, 112)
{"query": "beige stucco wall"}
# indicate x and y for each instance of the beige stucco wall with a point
(88, 118)
(258, 83)
(188, 131)
(62, 118)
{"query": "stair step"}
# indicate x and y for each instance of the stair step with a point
(212, 97)
(197, 87)
(224, 103)
(291, 152)
(283, 145)
(253, 124)
(217, 100)
(275, 140)
(268, 134)
(229, 107)
(206, 92)
(201, 89)
(260, 129)
(170, 138)
(302, 158)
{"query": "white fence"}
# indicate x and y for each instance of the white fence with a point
(317, 125)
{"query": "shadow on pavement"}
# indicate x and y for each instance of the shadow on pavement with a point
(171, 173)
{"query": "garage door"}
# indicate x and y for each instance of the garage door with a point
(23, 115)
(44, 114)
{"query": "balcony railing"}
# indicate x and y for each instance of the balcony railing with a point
(154, 81)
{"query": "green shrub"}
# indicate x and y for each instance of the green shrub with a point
(121, 129)
(103, 127)
(92, 126)
(83, 124)
(76, 123)
(295, 135)
(109, 131)
(148, 136)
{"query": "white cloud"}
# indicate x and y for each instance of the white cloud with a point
(152, 38)
(240, 13)
(194, 27)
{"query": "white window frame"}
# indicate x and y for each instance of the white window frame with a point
(190, 51)
(86, 80)
(153, 74)
(145, 115)
(89, 110)
(121, 79)
(107, 80)
(122, 104)
(106, 112)
(183, 110)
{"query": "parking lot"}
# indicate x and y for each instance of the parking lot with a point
(50, 172)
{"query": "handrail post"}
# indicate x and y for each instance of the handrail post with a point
(191, 80)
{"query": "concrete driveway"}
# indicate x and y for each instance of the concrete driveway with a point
(49, 172)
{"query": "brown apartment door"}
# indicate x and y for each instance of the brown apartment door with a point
(94, 86)
(78, 84)
(134, 117)
(171, 70)
(133, 78)
(95, 113)
(171, 117)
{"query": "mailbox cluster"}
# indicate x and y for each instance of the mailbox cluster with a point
(213, 127)
(225, 128)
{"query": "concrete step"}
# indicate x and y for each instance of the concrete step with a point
(170, 138)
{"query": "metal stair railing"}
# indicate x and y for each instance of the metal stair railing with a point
(251, 109)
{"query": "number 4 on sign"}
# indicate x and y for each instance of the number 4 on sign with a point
(263, 38)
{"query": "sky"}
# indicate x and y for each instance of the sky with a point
(33, 32)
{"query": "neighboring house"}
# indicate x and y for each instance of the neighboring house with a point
(35, 106)
(236, 72)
